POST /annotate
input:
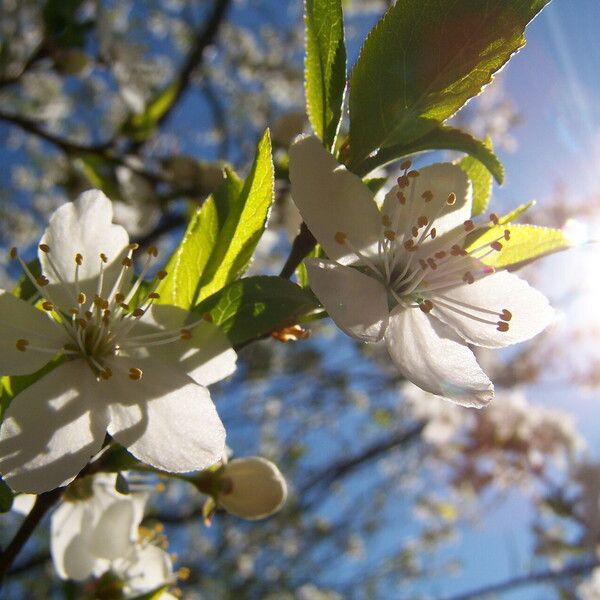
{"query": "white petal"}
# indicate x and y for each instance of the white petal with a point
(441, 180)
(111, 537)
(69, 537)
(23, 503)
(257, 488)
(20, 320)
(530, 310)
(207, 357)
(355, 301)
(433, 357)
(331, 199)
(165, 419)
(51, 430)
(147, 569)
(85, 227)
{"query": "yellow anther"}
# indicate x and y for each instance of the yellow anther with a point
(456, 250)
(22, 345)
(505, 315)
(468, 278)
(154, 295)
(469, 225)
(13, 253)
(79, 259)
(183, 573)
(42, 280)
(103, 257)
(88, 315)
(433, 233)
(502, 326)
(422, 221)
(390, 235)
(415, 231)
(401, 198)
(74, 311)
(340, 237)
(432, 263)
(403, 181)
(47, 306)
(44, 248)
(409, 244)
(427, 195)
(412, 173)
(386, 221)
(186, 334)
(152, 251)
(451, 199)
(124, 306)
(160, 487)
(497, 246)
(119, 297)
(439, 255)
(507, 234)
(82, 323)
(426, 306)
(405, 164)
(207, 317)
(138, 312)
(106, 373)
(423, 264)
(494, 219)
(133, 246)
(161, 275)
(126, 262)
(81, 298)
(135, 374)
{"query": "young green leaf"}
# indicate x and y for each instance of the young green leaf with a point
(221, 237)
(526, 243)
(424, 60)
(481, 179)
(325, 67)
(440, 138)
(252, 307)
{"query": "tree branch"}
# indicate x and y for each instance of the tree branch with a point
(205, 38)
(529, 579)
(42, 504)
(303, 243)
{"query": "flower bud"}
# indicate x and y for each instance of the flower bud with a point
(251, 488)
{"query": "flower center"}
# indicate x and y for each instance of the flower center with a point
(415, 269)
(100, 327)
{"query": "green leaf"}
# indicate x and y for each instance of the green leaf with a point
(424, 60)
(252, 307)
(141, 126)
(516, 213)
(440, 138)
(221, 237)
(481, 179)
(6, 497)
(527, 242)
(325, 67)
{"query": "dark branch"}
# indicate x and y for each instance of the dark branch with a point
(205, 38)
(301, 246)
(42, 504)
(529, 579)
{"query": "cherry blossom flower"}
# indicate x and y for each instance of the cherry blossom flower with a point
(100, 534)
(251, 488)
(129, 367)
(402, 273)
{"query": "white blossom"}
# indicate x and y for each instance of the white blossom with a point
(100, 533)
(402, 274)
(139, 374)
